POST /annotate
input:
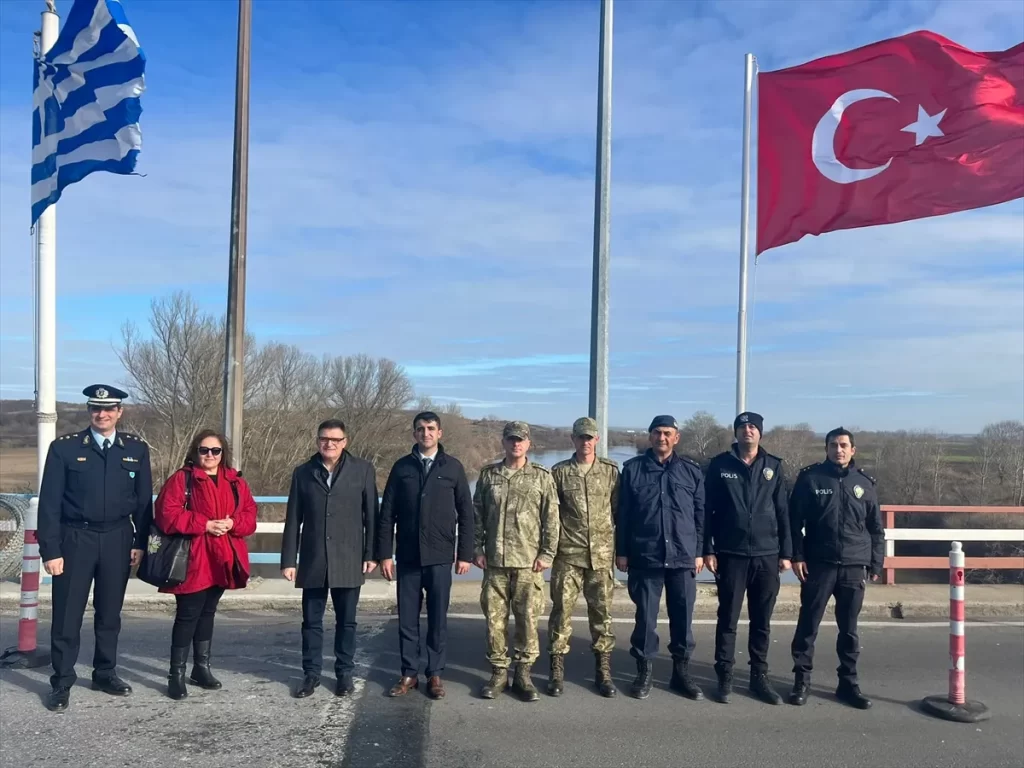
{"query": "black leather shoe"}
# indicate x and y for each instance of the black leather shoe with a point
(850, 694)
(762, 687)
(111, 684)
(309, 684)
(58, 699)
(801, 689)
(724, 690)
(346, 686)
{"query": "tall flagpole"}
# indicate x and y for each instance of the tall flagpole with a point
(234, 357)
(27, 652)
(602, 209)
(741, 332)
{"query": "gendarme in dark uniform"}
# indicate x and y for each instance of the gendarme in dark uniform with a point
(838, 543)
(95, 507)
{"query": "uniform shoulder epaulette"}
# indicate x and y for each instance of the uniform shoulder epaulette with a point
(535, 465)
(807, 468)
(70, 435)
(561, 464)
(609, 462)
(691, 461)
(771, 455)
(869, 477)
(493, 467)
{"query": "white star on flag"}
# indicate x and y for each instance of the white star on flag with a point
(926, 125)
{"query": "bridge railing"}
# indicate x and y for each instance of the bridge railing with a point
(894, 562)
(263, 553)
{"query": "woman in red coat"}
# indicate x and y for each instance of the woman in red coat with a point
(208, 500)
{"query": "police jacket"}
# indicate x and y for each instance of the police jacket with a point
(660, 519)
(82, 488)
(429, 511)
(835, 517)
(747, 507)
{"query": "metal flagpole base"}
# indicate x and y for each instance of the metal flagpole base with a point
(968, 712)
(12, 658)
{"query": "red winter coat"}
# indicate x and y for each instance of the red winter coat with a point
(214, 561)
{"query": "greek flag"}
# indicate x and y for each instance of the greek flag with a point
(86, 102)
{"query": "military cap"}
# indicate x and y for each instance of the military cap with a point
(585, 427)
(663, 421)
(518, 429)
(104, 395)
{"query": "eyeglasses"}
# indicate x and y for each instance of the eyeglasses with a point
(332, 440)
(203, 450)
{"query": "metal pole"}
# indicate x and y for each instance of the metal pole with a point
(741, 332)
(235, 331)
(602, 233)
(27, 653)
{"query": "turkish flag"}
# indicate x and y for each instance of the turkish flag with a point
(902, 129)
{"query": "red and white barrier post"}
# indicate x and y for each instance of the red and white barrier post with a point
(954, 705)
(26, 654)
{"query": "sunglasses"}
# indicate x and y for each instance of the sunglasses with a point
(203, 450)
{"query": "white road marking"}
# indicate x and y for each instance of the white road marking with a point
(907, 624)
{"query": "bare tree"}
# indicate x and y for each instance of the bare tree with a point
(797, 445)
(701, 436)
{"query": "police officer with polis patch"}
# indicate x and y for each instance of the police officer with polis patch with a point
(838, 543)
(659, 543)
(747, 546)
(95, 508)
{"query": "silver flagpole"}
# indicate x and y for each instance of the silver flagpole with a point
(741, 332)
(234, 357)
(602, 210)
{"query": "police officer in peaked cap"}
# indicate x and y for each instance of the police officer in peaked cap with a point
(95, 508)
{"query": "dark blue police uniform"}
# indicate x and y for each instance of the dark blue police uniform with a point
(95, 506)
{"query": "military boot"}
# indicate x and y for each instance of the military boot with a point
(641, 687)
(523, 685)
(497, 683)
(176, 677)
(603, 675)
(801, 688)
(681, 681)
(724, 687)
(557, 674)
(762, 687)
(850, 693)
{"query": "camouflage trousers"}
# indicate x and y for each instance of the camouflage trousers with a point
(522, 591)
(567, 581)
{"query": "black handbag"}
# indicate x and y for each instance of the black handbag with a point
(165, 561)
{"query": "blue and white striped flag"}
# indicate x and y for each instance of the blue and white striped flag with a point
(86, 102)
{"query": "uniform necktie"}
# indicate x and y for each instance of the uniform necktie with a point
(106, 444)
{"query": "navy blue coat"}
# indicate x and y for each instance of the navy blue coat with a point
(83, 489)
(660, 518)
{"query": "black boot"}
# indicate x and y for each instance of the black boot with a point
(497, 683)
(801, 689)
(641, 687)
(850, 693)
(557, 679)
(683, 683)
(201, 674)
(762, 687)
(523, 685)
(176, 677)
(603, 675)
(724, 687)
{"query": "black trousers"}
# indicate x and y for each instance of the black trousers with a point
(645, 586)
(314, 603)
(846, 584)
(435, 583)
(193, 619)
(758, 577)
(101, 560)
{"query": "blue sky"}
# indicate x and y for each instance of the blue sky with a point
(438, 157)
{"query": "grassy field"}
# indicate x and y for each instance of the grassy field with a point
(17, 470)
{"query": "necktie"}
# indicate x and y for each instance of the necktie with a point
(426, 466)
(106, 444)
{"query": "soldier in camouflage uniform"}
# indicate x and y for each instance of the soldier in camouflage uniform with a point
(516, 537)
(588, 489)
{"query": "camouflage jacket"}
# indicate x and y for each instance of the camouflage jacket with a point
(586, 507)
(516, 515)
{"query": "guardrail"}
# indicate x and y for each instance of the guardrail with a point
(894, 562)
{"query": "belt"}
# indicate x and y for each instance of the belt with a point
(102, 526)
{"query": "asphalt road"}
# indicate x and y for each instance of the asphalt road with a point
(254, 722)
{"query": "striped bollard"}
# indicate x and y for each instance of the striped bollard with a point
(26, 654)
(954, 705)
